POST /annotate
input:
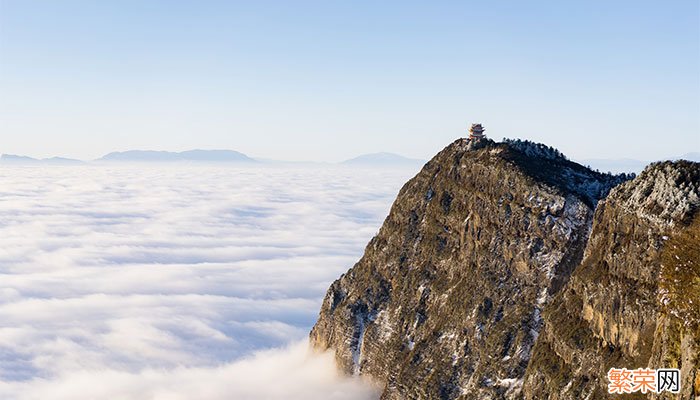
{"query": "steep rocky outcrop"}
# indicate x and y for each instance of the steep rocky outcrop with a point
(447, 300)
(634, 300)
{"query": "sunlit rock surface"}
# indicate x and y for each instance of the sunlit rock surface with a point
(447, 300)
(635, 299)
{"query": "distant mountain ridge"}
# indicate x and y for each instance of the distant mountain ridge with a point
(382, 158)
(24, 160)
(169, 156)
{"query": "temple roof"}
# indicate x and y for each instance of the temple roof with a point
(476, 128)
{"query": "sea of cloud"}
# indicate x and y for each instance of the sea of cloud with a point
(177, 282)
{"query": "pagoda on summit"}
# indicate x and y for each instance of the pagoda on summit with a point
(476, 132)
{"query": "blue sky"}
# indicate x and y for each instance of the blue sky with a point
(328, 80)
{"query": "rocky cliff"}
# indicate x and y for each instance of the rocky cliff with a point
(447, 301)
(635, 299)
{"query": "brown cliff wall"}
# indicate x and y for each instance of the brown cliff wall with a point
(628, 305)
(447, 300)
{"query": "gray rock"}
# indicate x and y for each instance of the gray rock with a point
(447, 300)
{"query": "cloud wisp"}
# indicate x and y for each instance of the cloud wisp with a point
(176, 282)
(290, 373)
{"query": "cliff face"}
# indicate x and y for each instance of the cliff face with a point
(447, 300)
(634, 300)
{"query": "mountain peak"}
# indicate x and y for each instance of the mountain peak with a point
(478, 226)
(168, 156)
(497, 262)
(542, 163)
(666, 191)
(381, 159)
(24, 160)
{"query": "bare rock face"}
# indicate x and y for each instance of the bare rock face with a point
(447, 300)
(635, 299)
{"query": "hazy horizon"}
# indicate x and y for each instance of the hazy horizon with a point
(358, 156)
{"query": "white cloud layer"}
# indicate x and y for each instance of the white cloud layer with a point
(292, 373)
(174, 282)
